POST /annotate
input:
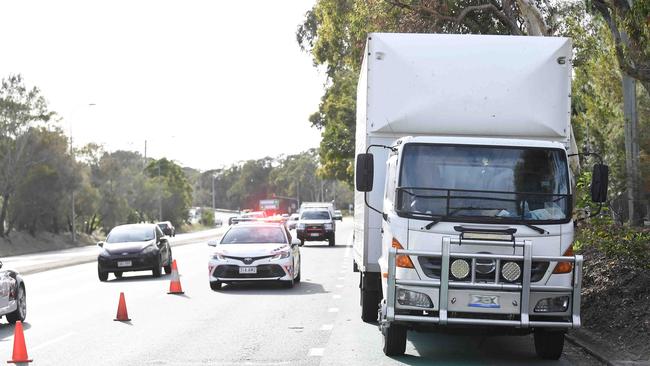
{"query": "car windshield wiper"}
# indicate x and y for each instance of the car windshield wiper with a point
(436, 219)
(536, 228)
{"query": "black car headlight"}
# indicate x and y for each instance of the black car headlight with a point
(150, 250)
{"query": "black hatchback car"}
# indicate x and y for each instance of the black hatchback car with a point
(137, 247)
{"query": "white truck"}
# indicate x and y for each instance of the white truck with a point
(464, 203)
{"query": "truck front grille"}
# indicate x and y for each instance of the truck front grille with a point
(433, 265)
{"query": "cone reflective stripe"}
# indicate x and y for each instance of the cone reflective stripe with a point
(122, 314)
(175, 284)
(20, 349)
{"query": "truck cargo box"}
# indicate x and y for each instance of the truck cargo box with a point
(439, 84)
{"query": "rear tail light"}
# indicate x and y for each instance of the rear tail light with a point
(402, 260)
(565, 267)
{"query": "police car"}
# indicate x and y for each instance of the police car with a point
(255, 251)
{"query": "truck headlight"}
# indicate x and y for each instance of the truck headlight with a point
(301, 226)
(459, 268)
(552, 305)
(510, 271)
(328, 226)
(413, 298)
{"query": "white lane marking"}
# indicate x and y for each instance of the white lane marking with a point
(333, 310)
(316, 352)
(327, 327)
(52, 341)
(341, 278)
(336, 296)
(343, 271)
(339, 286)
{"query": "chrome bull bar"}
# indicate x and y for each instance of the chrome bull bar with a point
(524, 289)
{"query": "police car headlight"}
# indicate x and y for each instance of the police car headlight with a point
(413, 298)
(281, 255)
(510, 271)
(218, 256)
(459, 268)
(552, 305)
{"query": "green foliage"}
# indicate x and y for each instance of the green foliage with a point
(174, 190)
(207, 217)
(615, 241)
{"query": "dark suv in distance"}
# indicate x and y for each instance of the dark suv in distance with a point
(136, 247)
(167, 228)
(316, 224)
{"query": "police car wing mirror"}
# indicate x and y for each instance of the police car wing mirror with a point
(213, 243)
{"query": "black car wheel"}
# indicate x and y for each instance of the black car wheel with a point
(302, 242)
(21, 306)
(157, 269)
(103, 276)
(168, 266)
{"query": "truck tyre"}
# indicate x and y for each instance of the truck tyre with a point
(394, 340)
(332, 240)
(549, 344)
(369, 305)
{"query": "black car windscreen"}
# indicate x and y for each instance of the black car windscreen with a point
(499, 183)
(130, 234)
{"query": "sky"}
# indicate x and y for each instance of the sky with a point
(206, 83)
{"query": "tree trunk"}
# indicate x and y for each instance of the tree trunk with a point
(3, 214)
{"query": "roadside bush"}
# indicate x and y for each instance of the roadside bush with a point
(207, 217)
(615, 241)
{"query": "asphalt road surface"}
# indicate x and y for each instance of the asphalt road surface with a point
(70, 320)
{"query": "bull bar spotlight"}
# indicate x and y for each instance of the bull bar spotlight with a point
(511, 271)
(459, 268)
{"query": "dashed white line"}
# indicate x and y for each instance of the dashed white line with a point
(336, 296)
(333, 310)
(327, 327)
(339, 286)
(340, 278)
(316, 352)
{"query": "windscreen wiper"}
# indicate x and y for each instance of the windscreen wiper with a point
(536, 228)
(436, 219)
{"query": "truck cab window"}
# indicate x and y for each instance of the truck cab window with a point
(493, 182)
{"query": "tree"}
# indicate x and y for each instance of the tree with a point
(20, 109)
(174, 194)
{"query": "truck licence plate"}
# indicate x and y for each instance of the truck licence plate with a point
(247, 270)
(124, 264)
(484, 301)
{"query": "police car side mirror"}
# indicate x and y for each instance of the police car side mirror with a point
(213, 243)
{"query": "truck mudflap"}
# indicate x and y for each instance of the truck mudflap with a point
(444, 286)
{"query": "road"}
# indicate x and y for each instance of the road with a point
(70, 320)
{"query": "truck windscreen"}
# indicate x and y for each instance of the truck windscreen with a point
(484, 183)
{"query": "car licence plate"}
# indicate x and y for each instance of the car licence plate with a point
(124, 264)
(484, 301)
(314, 234)
(247, 270)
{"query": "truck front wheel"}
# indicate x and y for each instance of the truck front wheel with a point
(369, 305)
(549, 344)
(394, 340)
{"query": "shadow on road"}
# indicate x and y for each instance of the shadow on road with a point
(446, 349)
(7, 330)
(128, 277)
(272, 288)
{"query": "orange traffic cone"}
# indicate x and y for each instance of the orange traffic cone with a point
(175, 284)
(20, 350)
(122, 314)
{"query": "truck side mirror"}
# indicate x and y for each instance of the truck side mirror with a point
(365, 172)
(599, 181)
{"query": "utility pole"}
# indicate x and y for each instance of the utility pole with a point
(160, 216)
(73, 216)
(214, 203)
(632, 163)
